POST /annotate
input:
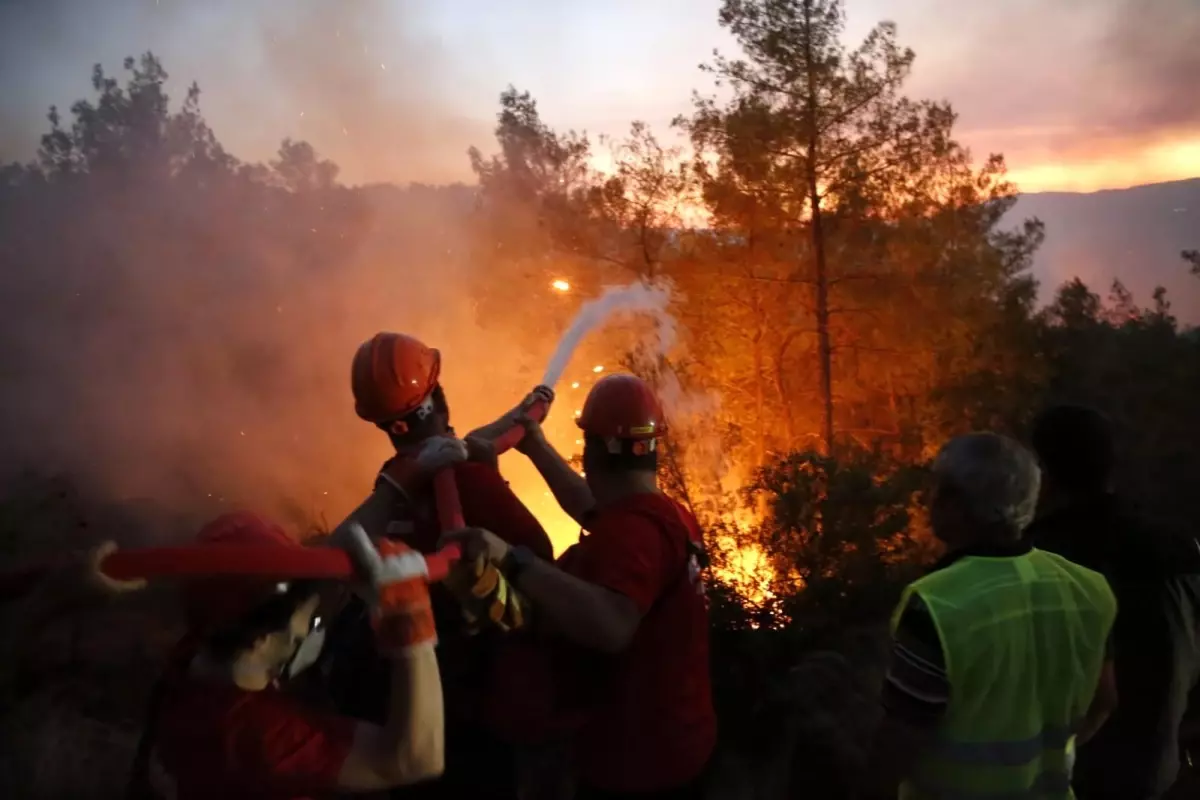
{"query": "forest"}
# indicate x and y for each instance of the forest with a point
(177, 326)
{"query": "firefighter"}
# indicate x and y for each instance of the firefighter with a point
(223, 724)
(629, 595)
(396, 387)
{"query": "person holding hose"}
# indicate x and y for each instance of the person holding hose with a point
(221, 721)
(1000, 664)
(395, 380)
(629, 596)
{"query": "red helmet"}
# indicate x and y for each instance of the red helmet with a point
(214, 602)
(622, 406)
(392, 375)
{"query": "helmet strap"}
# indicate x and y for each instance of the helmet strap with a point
(634, 447)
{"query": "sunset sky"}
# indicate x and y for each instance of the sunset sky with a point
(1079, 94)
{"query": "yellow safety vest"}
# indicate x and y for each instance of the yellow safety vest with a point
(1024, 640)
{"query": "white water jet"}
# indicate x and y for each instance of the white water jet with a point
(638, 298)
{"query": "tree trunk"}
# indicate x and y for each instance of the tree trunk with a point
(760, 399)
(824, 345)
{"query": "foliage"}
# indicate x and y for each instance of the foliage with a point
(834, 251)
(848, 215)
(1136, 365)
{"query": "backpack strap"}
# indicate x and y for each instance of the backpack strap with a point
(692, 549)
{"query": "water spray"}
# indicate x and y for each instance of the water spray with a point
(638, 298)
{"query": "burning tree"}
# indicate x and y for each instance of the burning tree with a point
(837, 202)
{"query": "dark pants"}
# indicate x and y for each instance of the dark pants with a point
(478, 767)
(693, 790)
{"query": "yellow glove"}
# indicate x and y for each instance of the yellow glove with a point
(486, 595)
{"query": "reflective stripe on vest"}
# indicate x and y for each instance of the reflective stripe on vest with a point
(1023, 639)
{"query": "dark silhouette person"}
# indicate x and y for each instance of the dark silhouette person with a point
(1156, 579)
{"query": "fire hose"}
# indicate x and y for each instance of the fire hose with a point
(275, 563)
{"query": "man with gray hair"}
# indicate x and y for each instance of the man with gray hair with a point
(1000, 661)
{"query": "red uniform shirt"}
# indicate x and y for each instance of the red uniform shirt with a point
(487, 502)
(488, 681)
(653, 726)
(219, 741)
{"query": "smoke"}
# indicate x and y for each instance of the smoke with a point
(1044, 80)
(192, 344)
(371, 87)
(368, 82)
(209, 376)
(1150, 57)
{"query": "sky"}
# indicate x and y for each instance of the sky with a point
(1078, 94)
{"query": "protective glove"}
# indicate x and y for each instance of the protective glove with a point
(397, 589)
(408, 474)
(98, 582)
(486, 596)
(439, 452)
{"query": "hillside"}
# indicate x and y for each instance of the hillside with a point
(1135, 234)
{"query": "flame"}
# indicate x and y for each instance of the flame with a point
(747, 568)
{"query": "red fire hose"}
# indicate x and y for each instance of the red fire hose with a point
(275, 563)
(445, 490)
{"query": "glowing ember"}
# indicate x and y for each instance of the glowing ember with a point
(561, 286)
(575, 385)
(597, 368)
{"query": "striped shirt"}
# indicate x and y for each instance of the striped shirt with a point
(916, 689)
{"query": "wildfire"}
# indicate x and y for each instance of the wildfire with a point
(745, 567)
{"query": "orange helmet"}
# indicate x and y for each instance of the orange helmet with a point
(622, 406)
(392, 375)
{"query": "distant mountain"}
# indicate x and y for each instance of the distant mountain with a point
(1133, 234)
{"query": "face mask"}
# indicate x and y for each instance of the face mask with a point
(307, 653)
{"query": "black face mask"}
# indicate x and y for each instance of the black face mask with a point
(307, 651)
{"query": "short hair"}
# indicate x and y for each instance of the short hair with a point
(1075, 446)
(996, 477)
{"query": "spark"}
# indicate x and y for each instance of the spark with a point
(598, 368)
(578, 412)
(575, 385)
(561, 286)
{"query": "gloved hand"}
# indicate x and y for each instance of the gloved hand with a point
(542, 393)
(96, 582)
(485, 595)
(397, 589)
(439, 452)
(533, 438)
